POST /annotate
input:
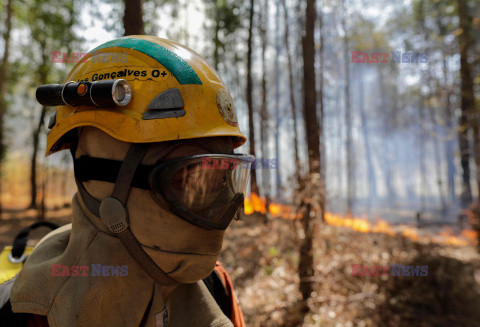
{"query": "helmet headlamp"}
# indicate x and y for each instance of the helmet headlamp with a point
(98, 93)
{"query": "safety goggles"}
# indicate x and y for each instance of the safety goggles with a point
(205, 190)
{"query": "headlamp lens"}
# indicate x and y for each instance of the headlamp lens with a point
(121, 92)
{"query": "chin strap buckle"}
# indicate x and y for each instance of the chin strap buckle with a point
(114, 215)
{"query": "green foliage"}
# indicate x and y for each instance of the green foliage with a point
(46, 26)
(226, 20)
(51, 28)
(366, 37)
(268, 270)
(273, 251)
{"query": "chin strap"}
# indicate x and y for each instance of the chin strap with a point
(113, 213)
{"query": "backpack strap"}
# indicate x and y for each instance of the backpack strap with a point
(220, 286)
(20, 242)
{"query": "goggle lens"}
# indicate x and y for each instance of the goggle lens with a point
(202, 189)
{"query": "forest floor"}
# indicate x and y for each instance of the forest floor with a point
(262, 261)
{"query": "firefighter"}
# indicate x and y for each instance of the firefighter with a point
(152, 138)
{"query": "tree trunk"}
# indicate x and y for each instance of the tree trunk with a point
(43, 79)
(306, 268)
(133, 17)
(348, 119)
(310, 101)
(43, 209)
(278, 181)
(216, 38)
(463, 142)
(469, 116)
(446, 93)
(387, 161)
(464, 146)
(372, 181)
(264, 117)
(421, 142)
(33, 160)
(323, 161)
(186, 23)
(251, 129)
(387, 166)
(449, 143)
(4, 67)
(433, 120)
(438, 161)
(339, 141)
(291, 86)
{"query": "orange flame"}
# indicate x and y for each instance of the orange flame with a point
(471, 235)
(358, 224)
(258, 204)
(248, 206)
(450, 239)
(383, 227)
(410, 233)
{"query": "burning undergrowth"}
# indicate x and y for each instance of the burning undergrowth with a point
(446, 235)
(263, 262)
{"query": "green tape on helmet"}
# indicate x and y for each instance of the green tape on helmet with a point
(179, 68)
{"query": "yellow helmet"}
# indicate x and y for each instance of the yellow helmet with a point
(175, 94)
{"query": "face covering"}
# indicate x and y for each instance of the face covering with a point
(185, 252)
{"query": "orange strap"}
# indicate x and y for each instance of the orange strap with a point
(237, 314)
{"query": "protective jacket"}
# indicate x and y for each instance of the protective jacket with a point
(80, 275)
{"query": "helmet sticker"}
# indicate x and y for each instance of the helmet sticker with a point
(128, 73)
(226, 108)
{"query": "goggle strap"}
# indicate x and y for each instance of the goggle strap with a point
(106, 170)
(113, 211)
(232, 209)
(92, 204)
(127, 171)
(133, 246)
